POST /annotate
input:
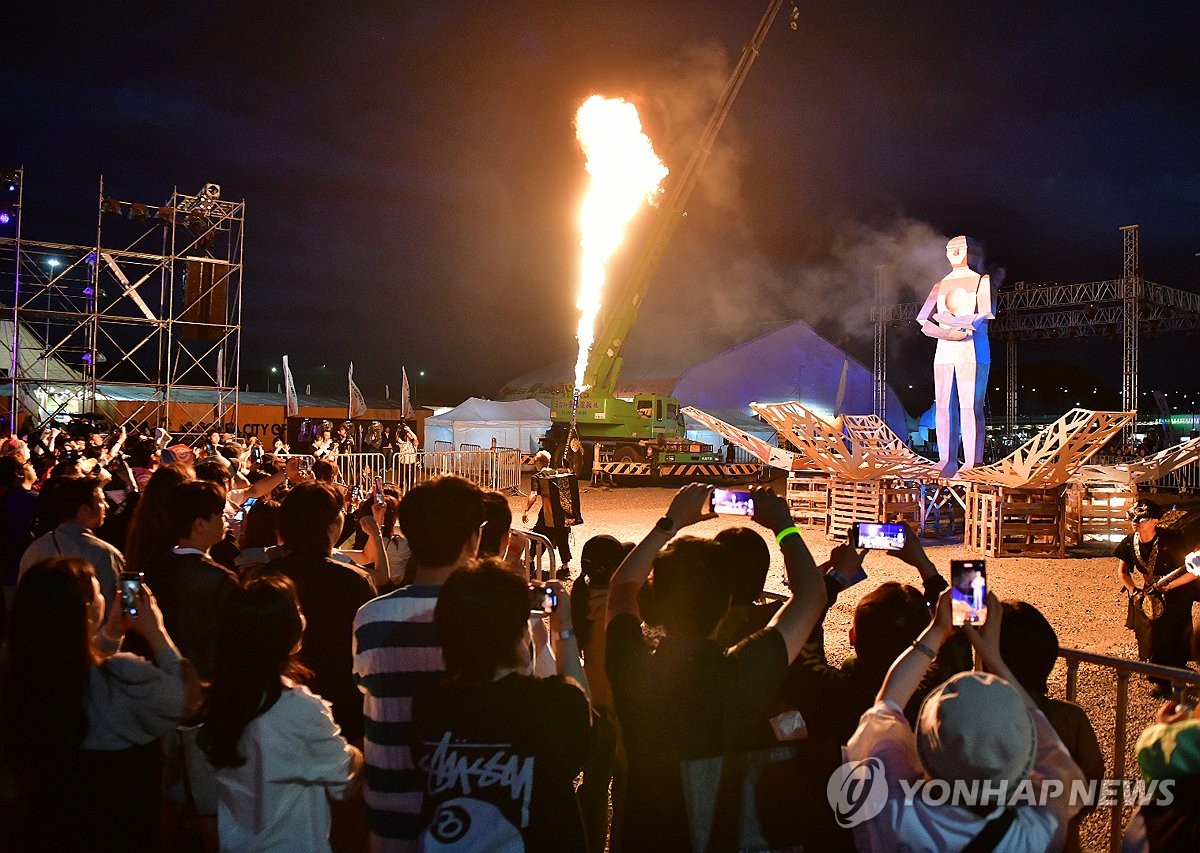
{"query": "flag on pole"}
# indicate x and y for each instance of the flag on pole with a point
(841, 391)
(292, 402)
(358, 406)
(406, 409)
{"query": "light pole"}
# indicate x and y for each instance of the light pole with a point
(271, 377)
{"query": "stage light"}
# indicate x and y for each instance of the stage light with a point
(4, 217)
(110, 205)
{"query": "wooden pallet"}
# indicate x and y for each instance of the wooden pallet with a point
(1096, 511)
(808, 498)
(872, 501)
(1010, 522)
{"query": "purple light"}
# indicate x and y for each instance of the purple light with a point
(87, 358)
(87, 291)
(4, 218)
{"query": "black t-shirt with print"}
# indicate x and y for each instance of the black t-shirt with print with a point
(500, 760)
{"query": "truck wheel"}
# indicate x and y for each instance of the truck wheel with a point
(625, 453)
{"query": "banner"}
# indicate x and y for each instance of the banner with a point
(358, 406)
(406, 409)
(292, 402)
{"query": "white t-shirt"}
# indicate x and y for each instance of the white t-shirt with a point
(296, 761)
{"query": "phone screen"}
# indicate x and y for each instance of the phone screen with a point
(379, 490)
(543, 599)
(879, 537)
(968, 591)
(732, 502)
(131, 592)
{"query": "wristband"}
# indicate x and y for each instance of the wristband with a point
(565, 634)
(785, 533)
(924, 649)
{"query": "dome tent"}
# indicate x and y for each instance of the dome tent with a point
(518, 424)
(793, 362)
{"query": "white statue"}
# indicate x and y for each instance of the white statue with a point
(963, 303)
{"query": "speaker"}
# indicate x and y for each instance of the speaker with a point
(205, 295)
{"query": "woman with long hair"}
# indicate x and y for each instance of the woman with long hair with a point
(81, 721)
(280, 757)
(150, 536)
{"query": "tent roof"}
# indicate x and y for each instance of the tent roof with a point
(478, 410)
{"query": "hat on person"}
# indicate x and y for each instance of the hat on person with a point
(976, 726)
(1145, 509)
(601, 556)
(177, 453)
(1169, 750)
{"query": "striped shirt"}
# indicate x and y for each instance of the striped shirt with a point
(396, 655)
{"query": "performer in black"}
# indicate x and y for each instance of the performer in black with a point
(1160, 615)
(560, 536)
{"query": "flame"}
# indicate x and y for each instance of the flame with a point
(624, 172)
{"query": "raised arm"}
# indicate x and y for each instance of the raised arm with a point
(801, 613)
(687, 507)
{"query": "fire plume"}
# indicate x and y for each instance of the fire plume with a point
(624, 171)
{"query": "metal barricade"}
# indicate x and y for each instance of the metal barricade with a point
(537, 549)
(1123, 669)
(359, 469)
(489, 469)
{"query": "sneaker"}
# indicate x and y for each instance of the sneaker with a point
(563, 573)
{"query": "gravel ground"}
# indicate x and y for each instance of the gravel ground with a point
(1080, 596)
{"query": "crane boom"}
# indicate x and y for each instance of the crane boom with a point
(604, 360)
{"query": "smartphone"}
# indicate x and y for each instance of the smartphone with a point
(305, 464)
(1186, 697)
(256, 453)
(732, 502)
(356, 493)
(542, 599)
(877, 537)
(240, 515)
(968, 591)
(379, 491)
(131, 593)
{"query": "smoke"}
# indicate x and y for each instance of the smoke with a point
(728, 277)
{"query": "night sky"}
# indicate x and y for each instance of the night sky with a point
(412, 178)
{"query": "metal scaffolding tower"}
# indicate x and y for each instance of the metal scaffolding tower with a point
(879, 375)
(143, 326)
(1128, 306)
(1131, 293)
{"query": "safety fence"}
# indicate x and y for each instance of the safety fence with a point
(498, 469)
(1122, 670)
(1183, 479)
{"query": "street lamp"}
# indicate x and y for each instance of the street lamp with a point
(270, 378)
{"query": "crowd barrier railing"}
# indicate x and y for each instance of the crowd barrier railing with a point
(539, 548)
(1122, 669)
(360, 469)
(489, 469)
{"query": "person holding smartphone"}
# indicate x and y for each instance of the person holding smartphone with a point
(978, 727)
(79, 717)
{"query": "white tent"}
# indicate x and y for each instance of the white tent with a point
(519, 424)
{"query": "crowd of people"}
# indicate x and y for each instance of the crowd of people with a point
(211, 648)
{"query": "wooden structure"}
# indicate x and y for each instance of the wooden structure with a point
(1011, 522)
(1017, 506)
(808, 498)
(1099, 496)
(1096, 512)
(873, 501)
